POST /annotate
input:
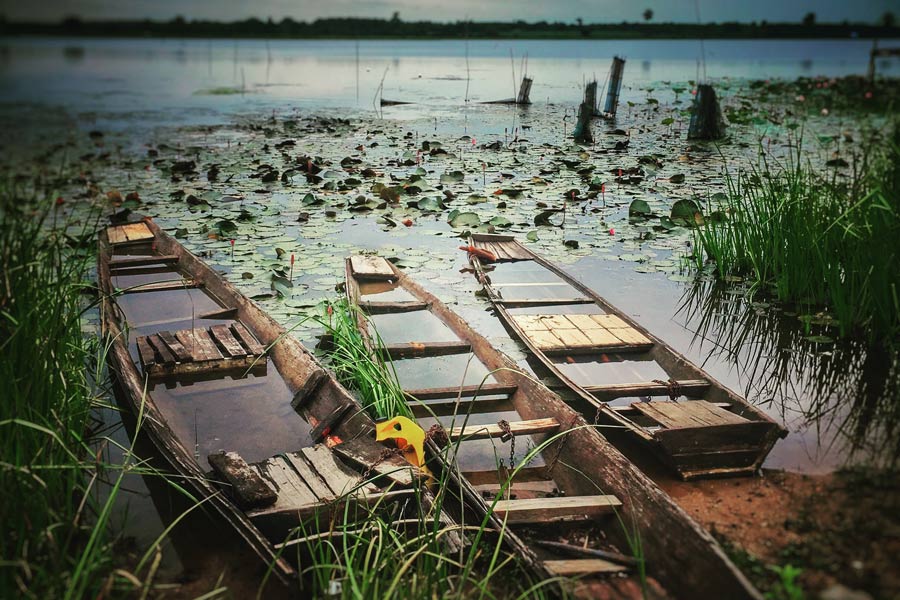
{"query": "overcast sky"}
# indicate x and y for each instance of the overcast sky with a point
(451, 10)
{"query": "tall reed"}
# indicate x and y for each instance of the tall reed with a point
(819, 242)
(45, 407)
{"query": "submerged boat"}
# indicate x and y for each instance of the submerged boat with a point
(619, 369)
(245, 415)
(565, 492)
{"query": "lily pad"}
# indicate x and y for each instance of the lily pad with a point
(463, 219)
(639, 209)
(686, 213)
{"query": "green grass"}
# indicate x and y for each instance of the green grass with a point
(820, 242)
(368, 556)
(357, 367)
(50, 545)
(57, 538)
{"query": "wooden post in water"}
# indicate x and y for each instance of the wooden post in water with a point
(590, 95)
(582, 132)
(706, 116)
(524, 91)
(615, 86)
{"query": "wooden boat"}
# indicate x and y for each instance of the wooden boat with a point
(578, 499)
(214, 379)
(620, 370)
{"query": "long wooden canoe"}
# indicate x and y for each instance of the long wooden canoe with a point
(628, 376)
(213, 379)
(577, 500)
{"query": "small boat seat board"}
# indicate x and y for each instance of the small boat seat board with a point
(692, 413)
(306, 480)
(581, 333)
(504, 250)
(371, 267)
(199, 350)
(130, 232)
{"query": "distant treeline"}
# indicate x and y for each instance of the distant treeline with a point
(397, 28)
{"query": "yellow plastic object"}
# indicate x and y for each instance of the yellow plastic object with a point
(409, 437)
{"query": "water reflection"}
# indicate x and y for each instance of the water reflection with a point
(847, 391)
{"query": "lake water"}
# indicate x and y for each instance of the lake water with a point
(140, 89)
(139, 82)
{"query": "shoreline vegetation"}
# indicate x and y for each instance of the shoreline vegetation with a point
(396, 28)
(814, 239)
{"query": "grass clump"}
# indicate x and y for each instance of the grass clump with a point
(815, 241)
(358, 367)
(50, 547)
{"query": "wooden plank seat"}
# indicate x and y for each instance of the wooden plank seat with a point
(686, 387)
(371, 268)
(461, 391)
(374, 307)
(582, 566)
(503, 429)
(309, 479)
(556, 509)
(578, 334)
(504, 250)
(128, 233)
(688, 414)
(164, 286)
(410, 349)
(528, 303)
(125, 262)
(199, 350)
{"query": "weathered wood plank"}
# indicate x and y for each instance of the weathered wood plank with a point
(142, 261)
(200, 345)
(736, 436)
(545, 340)
(162, 350)
(479, 432)
(410, 349)
(572, 338)
(541, 302)
(548, 510)
(136, 232)
(632, 336)
(385, 464)
(493, 476)
(531, 284)
(610, 322)
(380, 308)
(247, 339)
(686, 387)
(371, 267)
(465, 391)
(115, 235)
(339, 478)
(163, 286)
(180, 351)
(293, 493)
(329, 422)
(310, 476)
(582, 566)
(691, 413)
(148, 356)
(246, 486)
(308, 388)
(227, 342)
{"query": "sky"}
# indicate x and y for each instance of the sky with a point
(592, 11)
